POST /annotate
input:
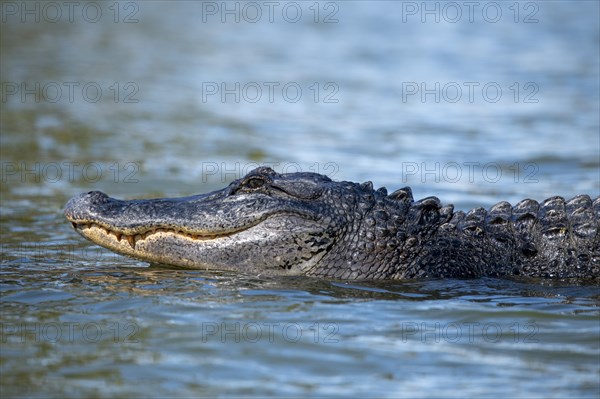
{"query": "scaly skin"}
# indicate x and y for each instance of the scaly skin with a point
(304, 223)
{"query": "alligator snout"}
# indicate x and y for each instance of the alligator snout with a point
(78, 207)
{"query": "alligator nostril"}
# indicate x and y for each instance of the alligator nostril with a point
(96, 197)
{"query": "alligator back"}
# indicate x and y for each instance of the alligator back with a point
(555, 238)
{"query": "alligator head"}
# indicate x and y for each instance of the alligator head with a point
(265, 223)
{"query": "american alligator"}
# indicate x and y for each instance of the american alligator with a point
(305, 223)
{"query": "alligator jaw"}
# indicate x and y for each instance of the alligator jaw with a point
(157, 245)
(140, 228)
(102, 234)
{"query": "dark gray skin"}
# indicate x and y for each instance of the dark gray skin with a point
(306, 224)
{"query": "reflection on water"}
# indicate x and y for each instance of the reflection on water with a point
(163, 98)
(196, 330)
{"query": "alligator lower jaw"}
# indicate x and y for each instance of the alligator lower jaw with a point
(95, 229)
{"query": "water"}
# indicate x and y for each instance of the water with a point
(79, 321)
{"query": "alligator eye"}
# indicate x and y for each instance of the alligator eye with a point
(255, 183)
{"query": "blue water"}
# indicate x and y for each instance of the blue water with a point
(169, 100)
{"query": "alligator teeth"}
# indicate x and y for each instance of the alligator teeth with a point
(131, 241)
